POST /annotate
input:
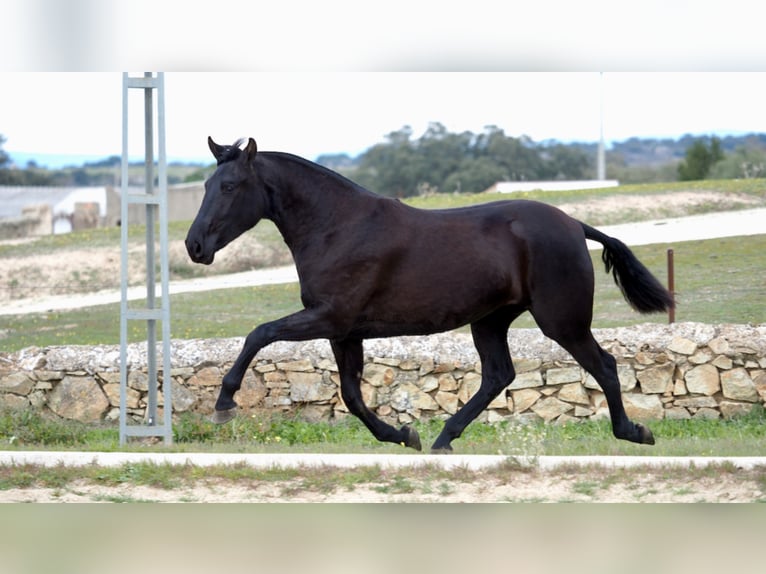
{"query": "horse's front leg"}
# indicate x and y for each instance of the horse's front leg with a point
(349, 356)
(301, 326)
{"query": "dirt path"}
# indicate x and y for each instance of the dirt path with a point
(530, 486)
(396, 478)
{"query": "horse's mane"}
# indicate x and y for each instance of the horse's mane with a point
(231, 152)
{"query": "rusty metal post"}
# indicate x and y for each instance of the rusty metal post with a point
(671, 285)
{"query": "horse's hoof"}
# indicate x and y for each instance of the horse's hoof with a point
(221, 417)
(412, 438)
(646, 435)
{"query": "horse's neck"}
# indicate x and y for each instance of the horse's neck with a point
(309, 200)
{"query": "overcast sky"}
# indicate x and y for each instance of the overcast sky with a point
(312, 113)
(336, 76)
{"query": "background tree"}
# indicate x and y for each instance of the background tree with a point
(744, 163)
(5, 159)
(441, 161)
(700, 158)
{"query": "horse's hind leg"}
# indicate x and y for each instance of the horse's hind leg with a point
(490, 335)
(589, 354)
(349, 356)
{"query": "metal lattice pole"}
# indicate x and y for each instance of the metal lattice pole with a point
(154, 200)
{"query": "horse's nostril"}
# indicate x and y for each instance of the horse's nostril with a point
(193, 247)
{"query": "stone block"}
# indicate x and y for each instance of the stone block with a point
(722, 362)
(428, 383)
(44, 375)
(527, 380)
(112, 392)
(523, 399)
(409, 365)
(182, 397)
(644, 358)
(522, 365)
(759, 381)
(301, 366)
(408, 397)
(703, 380)
(643, 407)
(550, 407)
(574, 393)
(627, 377)
(682, 346)
(581, 411)
(252, 392)
(719, 345)
(447, 382)
(737, 385)
(447, 401)
(625, 374)
(206, 377)
(561, 376)
(13, 402)
(656, 380)
(78, 398)
(700, 357)
(378, 374)
(18, 383)
(273, 377)
(308, 387)
(696, 402)
(369, 395)
(327, 365)
(468, 387)
(426, 366)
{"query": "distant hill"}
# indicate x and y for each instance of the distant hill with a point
(640, 152)
(634, 152)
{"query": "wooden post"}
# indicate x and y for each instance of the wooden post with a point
(671, 286)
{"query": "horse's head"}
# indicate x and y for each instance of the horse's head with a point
(231, 204)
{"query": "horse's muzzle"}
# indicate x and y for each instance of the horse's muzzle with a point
(197, 252)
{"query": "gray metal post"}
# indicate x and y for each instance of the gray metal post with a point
(601, 167)
(151, 324)
(154, 200)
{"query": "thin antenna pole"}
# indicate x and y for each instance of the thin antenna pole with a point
(601, 170)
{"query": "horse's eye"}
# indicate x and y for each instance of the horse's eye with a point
(227, 187)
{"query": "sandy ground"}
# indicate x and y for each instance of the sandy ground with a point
(398, 478)
(535, 486)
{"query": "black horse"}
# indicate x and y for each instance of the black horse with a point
(371, 266)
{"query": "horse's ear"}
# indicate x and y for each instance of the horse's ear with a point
(251, 150)
(216, 149)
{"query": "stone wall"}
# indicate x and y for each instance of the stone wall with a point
(686, 370)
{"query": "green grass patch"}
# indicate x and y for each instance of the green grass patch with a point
(275, 433)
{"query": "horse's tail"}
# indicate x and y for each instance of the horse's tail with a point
(639, 287)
